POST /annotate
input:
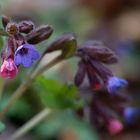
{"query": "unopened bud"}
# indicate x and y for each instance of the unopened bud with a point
(25, 26)
(40, 34)
(12, 28)
(5, 21)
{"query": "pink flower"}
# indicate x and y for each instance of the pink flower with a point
(8, 69)
(114, 126)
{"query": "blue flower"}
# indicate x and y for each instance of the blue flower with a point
(115, 83)
(130, 114)
(25, 54)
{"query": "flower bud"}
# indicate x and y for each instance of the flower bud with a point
(25, 26)
(39, 34)
(5, 21)
(114, 126)
(8, 69)
(97, 51)
(66, 43)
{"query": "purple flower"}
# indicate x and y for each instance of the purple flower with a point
(25, 54)
(114, 84)
(130, 114)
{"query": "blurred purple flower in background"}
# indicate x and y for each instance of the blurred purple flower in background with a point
(130, 114)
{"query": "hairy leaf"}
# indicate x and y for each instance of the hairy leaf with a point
(57, 95)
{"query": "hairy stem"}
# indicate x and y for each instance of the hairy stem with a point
(3, 33)
(26, 84)
(46, 67)
(16, 95)
(30, 124)
(2, 84)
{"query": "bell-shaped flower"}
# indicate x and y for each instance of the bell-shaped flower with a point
(114, 84)
(8, 69)
(25, 55)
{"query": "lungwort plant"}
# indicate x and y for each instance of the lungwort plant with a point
(19, 50)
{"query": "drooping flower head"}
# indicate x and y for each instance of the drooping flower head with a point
(114, 84)
(25, 55)
(94, 55)
(8, 69)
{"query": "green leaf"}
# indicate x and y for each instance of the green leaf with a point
(66, 120)
(57, 95)
(2, 127)
(1, 42)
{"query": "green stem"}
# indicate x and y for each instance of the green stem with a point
(25, 85)
(3, 33)
(46, 67)
(16, 95)
(2, 84)
(30, 124)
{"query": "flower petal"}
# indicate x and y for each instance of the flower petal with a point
(80, 75)
(26, 61)
(18, 59)
(34, 54)
(26, 58)
(115, 83)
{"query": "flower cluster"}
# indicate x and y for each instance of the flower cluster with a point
(19, 50)
(104, 110)
(93, 57)
(111, 112)
(19, 47)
